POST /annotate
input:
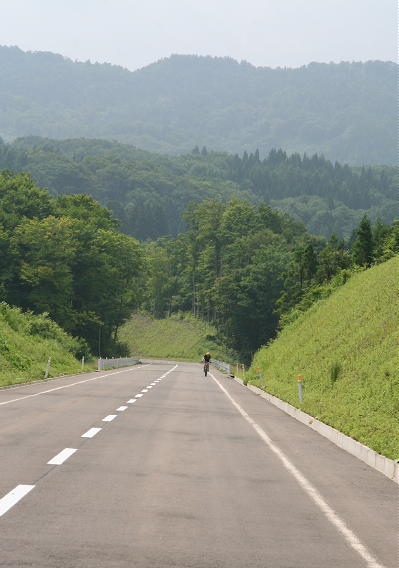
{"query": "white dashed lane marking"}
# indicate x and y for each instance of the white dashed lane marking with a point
(62, 456)
(67, 386)
(91, 433)
(13, 497)
(110, 417)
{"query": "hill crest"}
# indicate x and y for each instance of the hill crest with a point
(346, 111)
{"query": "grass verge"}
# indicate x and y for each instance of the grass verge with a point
(26, 343)
(180, 338)
(346, 350)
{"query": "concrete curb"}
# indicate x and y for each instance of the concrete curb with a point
(384, 465)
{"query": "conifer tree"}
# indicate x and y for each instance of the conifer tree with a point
(363, 244)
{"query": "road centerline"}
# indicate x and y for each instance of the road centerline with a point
(91, 433)
(12, 498)
(110, 417)
(64, 386)
(62, 456)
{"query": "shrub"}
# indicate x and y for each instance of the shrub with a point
(335, 371)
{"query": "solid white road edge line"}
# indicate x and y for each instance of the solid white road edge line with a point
(66, 386)
(62, 456)
(13, 497)
(91, 433)
(110, 417)
(311, 491)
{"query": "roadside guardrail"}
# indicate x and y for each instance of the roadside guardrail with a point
(121, 362)
(222, 366)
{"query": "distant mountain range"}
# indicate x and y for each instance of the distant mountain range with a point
(345, 111)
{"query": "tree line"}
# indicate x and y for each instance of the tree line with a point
(249, 269)
(148, 193)
(245, 267)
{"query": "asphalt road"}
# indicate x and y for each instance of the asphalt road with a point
(195, 473)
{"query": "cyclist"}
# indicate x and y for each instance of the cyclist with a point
(206, 360)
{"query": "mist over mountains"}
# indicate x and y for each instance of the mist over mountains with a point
(345, 111)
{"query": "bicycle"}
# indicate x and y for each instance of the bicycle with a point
(206, 368)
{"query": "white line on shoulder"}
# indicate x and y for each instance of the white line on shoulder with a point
(305, 484)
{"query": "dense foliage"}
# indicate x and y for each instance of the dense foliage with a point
(243, 267)
(248, 269)
(347, 111)
(64, 257)
(148, 192)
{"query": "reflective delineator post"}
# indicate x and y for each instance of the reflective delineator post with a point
(46, 372)
(300, 388)
(260, 375)
(83, 362)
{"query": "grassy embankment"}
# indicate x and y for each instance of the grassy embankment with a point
(26, 343)
(183, 339)
(346, 350)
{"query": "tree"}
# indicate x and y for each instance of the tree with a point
(363, 244)
(44, 251)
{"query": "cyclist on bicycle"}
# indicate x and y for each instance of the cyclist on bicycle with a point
(206, 360)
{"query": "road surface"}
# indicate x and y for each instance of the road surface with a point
(157, 466)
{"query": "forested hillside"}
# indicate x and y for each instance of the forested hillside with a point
(244, 268)
(149, 192)
(250, 269)
(346, 111)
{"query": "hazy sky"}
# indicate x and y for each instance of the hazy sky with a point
(134, 33)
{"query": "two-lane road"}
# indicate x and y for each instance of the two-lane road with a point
(158, 466)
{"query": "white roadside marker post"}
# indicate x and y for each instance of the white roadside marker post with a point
(46, 372)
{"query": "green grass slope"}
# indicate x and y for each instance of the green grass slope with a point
(183, 339)
(26, 343)
(346, 350)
